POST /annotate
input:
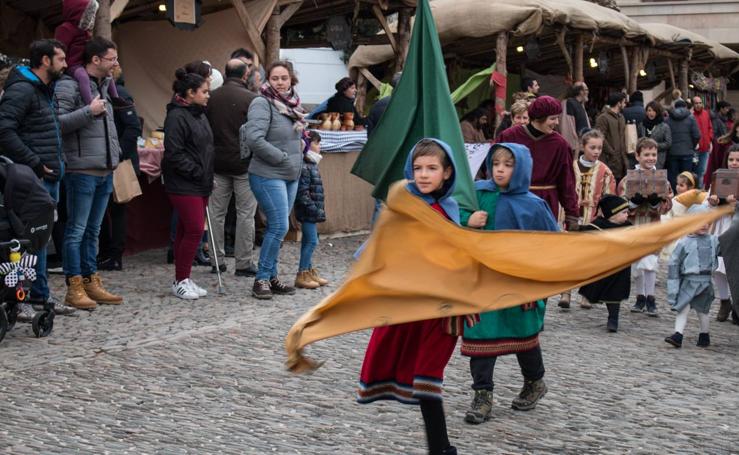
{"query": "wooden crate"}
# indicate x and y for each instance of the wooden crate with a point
(725, 182)
(646, 182)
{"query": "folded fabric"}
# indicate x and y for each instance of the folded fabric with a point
(417, 265)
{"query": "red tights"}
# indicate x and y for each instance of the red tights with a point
(190, 227)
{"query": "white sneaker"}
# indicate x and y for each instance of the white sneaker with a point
(198, 290)
(183, 290)
(25, 312)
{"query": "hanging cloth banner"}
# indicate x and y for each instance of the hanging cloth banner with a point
(471, 84)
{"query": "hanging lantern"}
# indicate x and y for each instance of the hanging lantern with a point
(184, 14)
(533, 51)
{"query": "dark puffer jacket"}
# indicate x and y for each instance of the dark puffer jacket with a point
(30, 133)
(685, 132)
(187, 165)
(309, 202)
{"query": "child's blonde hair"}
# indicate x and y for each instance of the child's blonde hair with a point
(688, 178)
(519, 108)
(593, 133)
(502, 153)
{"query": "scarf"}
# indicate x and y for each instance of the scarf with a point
(650, 124)
(287, 105)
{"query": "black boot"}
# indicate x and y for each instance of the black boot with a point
(170, 256)
(110, 264)
(676, 339)
(704, 340)
(638, 307)
(613, 310)
(651, 306)
(451, 450)
(723, 311)
(734, 318)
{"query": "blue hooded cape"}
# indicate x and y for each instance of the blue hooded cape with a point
(518, 208)
(446, 201)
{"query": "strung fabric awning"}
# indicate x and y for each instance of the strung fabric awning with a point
(418, 265)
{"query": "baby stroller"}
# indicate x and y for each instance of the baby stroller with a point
(26, 219)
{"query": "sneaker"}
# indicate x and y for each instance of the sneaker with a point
(531, 393)
(481, 409)
(676, 339)
(223, 268)
(183, 290)
(280, 288)
(261, 290)
(451, 450)
(704, 340)
(60, 309)
(651, 307)
(201, 292)
(641, 302)
(201, 258)
(25, 312)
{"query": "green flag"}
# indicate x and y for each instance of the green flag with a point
(420, 107)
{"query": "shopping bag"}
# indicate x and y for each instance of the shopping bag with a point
(631, 138)
(125, 183)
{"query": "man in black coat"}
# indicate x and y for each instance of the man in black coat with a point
(113, 230)
(30, 134)
(227, 111)
(635, 112)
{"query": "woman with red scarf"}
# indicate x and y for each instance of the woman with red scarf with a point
(273, 134)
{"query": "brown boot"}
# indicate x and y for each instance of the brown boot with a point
(317, 278)
(305, 281)
(76, 295)
(724, 310)
(96, 291)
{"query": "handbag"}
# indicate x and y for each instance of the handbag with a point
(125, 183)
(631, 138)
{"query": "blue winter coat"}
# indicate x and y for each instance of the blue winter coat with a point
(309, 202)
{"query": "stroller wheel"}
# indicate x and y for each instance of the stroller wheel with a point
(3, 323)
(10, 309)
(43, 323)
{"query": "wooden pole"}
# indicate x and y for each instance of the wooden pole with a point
(671, 69)
(252, 31)
(634, 74)
(102, 20)
(579, 65)
(501, 49)
(380, 16)
(563, 48)
(404, 37)
(684, 78)
(272, 34)
(361, 100)
(627, 72)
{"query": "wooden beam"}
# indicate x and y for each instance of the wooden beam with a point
(102, 20)
(563, 47)
(252, 32)
(261, 11)
(404, 36)
(385, 26)
(501, 51)
(671, 69)
(634, 73)
(663, 94)
(370, 77)
(627, 72)
(288, 12)
(116, 9)
(579, 64)
(684, 67)
(272, 37)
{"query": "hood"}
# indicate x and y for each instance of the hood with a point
(447, 202)
(80, 12)
(194, 109)
(679, 113)
(521, 178)
(22, 74)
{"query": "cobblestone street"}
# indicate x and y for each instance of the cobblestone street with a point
(162, 375)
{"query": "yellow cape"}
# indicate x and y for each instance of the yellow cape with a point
(418, 265)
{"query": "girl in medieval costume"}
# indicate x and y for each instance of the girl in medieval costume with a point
(405, 362)
(593, 179)
(506, 203)
(731, 161)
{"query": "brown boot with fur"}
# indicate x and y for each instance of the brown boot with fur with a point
(305, 281)
(76, 296)
(317, 278)
(96, 291)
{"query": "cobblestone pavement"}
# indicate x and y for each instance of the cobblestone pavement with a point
(162, 375)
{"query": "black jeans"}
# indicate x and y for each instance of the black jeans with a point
(482, 368)
(113, 231)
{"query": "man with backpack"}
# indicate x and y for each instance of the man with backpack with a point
(30, 134)
(227, 110)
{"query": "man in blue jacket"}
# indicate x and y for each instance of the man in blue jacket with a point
(30, 134)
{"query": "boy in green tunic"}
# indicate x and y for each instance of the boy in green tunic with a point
(507, 204)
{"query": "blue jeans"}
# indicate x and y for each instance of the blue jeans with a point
(308, 244)
(276, 198)
(677, 165)
(40, 287)
(87, 199)
(700, 167)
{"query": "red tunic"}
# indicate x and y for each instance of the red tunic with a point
(406, 362)
(552, 177)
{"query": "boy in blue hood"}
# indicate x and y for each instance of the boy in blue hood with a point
(507, 204)
(405, 362)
